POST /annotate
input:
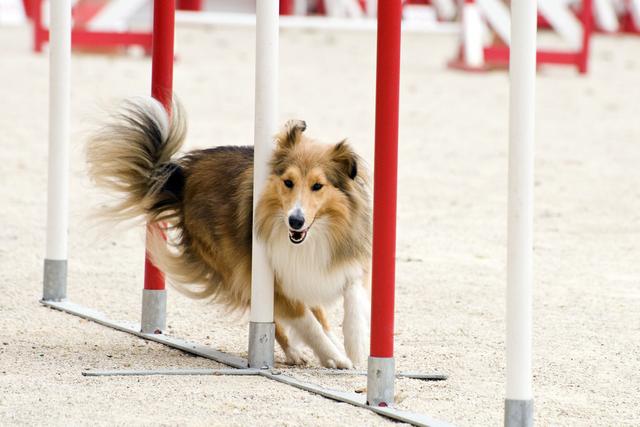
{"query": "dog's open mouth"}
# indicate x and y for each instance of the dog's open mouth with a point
(297, 236)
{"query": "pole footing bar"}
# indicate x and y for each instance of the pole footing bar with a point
(251, 371)
(241, 364)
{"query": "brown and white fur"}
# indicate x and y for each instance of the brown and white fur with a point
(313, 217)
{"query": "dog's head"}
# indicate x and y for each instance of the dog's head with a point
(310, 184)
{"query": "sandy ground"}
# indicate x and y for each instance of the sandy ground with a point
(451, 237)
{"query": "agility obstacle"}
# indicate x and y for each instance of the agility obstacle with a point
(262, 326)
(380, 381)
(522, 73)
(630, 18)
(482, 17)
(154, 295)
(85, 33)
(381, 372)
(612, 16)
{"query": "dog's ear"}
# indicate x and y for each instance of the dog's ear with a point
(290, 133)
(346, 159)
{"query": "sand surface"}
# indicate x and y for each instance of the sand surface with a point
(451, 237)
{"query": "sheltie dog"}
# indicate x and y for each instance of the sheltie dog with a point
(313, 217)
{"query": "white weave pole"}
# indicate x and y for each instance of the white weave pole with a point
(55, 262)
(522, 73)
(261, 327)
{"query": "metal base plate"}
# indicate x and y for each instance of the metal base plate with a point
(154, 311)
(55, 280)
(249, 371)
(134, 329)
(261, 342)
(242, 364)
(381, 376)
(518, 413)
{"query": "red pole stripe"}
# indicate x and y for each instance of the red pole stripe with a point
(162, 90)
(385, 177)
(162, 47)
(153, 276)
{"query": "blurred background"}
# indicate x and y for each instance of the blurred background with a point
(481, 25)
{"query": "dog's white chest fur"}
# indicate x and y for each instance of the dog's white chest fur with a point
(304, 270)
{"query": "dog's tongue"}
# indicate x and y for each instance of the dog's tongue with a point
(297, 236)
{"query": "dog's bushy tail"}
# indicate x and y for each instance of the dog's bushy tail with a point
(130, 155)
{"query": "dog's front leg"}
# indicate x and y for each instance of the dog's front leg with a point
(294, 355)
(310, 330)
(355, 325)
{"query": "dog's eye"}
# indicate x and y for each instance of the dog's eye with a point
(316, 187)
(288, 183)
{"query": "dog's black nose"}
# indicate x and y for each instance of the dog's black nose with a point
(296, 221)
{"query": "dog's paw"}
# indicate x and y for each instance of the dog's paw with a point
(358, 362)
(295, 357)
(337, 363)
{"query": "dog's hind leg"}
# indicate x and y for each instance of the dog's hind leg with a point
(321, 316)
(294, 356)
(355, 325)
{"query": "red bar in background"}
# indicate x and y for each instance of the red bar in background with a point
(85, 38)
(195, 5)
(385, 178)
(286, 7)
(162, 90)
(38, 32)
(84, 11)
(29, 6)
(500, 54)
(587, 27)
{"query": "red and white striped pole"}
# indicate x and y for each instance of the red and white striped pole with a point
(154, 295)
(381, 368)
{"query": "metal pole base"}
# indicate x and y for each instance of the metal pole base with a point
(55, 280)
(518, 413)
(261, 342)
(154, 311)
(381, 375)
(241, 365)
